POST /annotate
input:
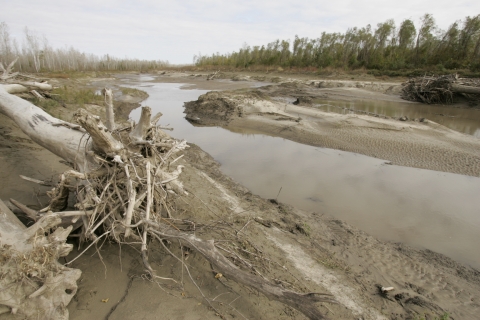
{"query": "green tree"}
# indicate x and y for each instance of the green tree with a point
(424, 39)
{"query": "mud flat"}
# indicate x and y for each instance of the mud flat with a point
(310, 253)
(288, 110)
(298, 250)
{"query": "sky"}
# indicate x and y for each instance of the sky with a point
(177, 30)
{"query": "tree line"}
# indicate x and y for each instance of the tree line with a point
(37, 55)
(388, 47)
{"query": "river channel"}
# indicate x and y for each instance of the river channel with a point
(423, 208)
(462, 120)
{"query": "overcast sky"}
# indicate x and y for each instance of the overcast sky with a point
(176, 30)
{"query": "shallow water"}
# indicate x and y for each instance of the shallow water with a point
(462, 120)
(428, 209)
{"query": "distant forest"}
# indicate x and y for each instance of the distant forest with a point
(36, 55)
(388, 47)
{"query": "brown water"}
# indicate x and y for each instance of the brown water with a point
(459, 119)
(427, 209)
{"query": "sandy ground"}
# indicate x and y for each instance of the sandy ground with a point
(302, 251)
(269, 110)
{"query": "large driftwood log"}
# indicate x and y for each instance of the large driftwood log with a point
(34, 85)
(15, 88)
(465, 89)
(42, 128)
(21, 87)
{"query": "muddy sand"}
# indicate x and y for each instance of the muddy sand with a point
(289, 110)
(302, 251)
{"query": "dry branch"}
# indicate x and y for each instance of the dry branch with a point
(442, 89)
(212, 75)
(7, 73)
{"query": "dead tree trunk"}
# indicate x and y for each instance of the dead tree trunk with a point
(53, 134)
(465, 89)
(107, 93)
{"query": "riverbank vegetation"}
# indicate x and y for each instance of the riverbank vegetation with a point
(37, 55)
(388, 49)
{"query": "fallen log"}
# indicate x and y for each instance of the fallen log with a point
(465, 89)
(15, 88)
(39, 126)
(34, 85)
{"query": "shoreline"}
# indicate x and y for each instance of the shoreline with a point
(304, 251)
(421, 144)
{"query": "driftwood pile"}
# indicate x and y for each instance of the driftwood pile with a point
(124, 180)
(16, 83)
(441, 89)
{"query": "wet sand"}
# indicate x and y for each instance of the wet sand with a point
(299, 250)
(303, 251)
(424, 144)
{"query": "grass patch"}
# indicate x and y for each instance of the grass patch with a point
(134, 92)
(63, 96)
(72, 74)
(69, 95)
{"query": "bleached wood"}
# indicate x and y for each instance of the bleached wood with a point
(131, 202)
(37, 95)
(8, 222)
(15, 88)
(155, 118)
(103, 141)
(32, 214)
(66, 143)
(110, 115)
(41, 182)
(36, 85)
(41, 297)
(7, 72)
(139, 133)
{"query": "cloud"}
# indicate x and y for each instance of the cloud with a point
(176, 30)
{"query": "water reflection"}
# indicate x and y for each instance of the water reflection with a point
(423, 208)
(458, 119)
